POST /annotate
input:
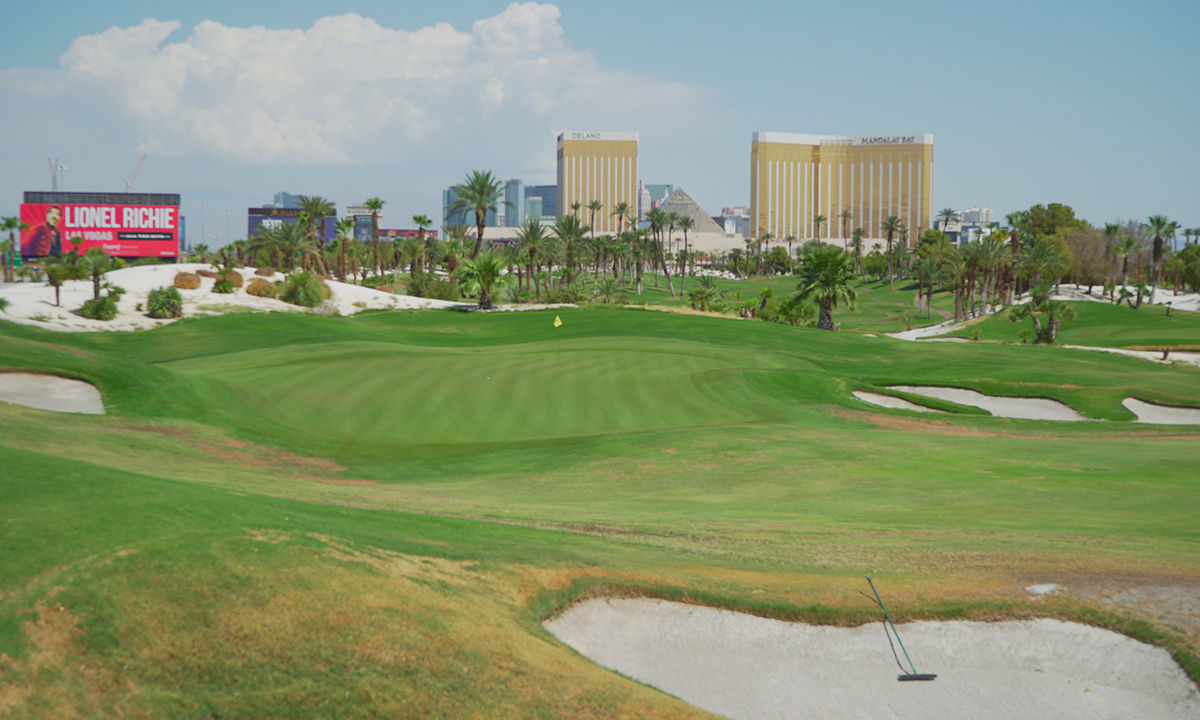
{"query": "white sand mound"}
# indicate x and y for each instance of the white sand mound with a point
(50, 392)
(1161, 414)
(1009, 407)
(888, 401)
(743, 666)
(33, 303)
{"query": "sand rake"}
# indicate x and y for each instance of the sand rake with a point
(909, 674)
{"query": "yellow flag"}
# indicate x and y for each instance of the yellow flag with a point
(557, 321)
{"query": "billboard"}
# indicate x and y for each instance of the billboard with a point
(263, 218)
(120, 229)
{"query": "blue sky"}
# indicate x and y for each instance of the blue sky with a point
(1096, 105)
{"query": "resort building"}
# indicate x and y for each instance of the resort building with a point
(795, 178)
(597, 166)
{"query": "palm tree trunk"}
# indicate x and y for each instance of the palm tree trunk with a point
(825, 318)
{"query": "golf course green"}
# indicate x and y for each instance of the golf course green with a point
(289, 515)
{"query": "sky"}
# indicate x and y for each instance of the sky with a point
(1093, 104)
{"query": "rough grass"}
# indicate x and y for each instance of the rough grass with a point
(1104, 325)
(237, 537)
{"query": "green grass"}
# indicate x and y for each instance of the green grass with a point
(878, 308)
(302, 516)
(1103, 325)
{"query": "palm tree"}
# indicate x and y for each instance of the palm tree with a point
(685, 223)
(947, 216)
(479, 194)
(825, 276)
(56, 274)
(620, 211)
(845, 216)
(1160, 227)
(345, 232)
(817, 223)
(569, 231)
(95, 262)
(607, 290)
(890, 227)
(929, 272)
(993, 253)
(317, 207)
(375, 205)
(856, 242)
(455, 246)
(575, 208)
(479, 274)
(595, 206)
(422, 222)
(529, 238)
(13, 225)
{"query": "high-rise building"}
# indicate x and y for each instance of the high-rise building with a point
(514, 203)
(548, 195)
(597, 166)
(287, 200)
(795, 178)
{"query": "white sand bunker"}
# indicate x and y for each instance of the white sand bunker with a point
(1009, 407)
(743, 666)
(888, 401)
(1162, 414)
(50, 392)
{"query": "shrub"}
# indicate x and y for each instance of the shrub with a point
(233, 277)
(105, 306)
(204, 272)
(142, 262)
(304, 289)
(261, 288)
(164, 302)
(386, 289)
(430, 286)
(224, 287)
(187, 280)
(265, 271)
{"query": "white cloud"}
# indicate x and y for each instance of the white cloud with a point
(347, 89)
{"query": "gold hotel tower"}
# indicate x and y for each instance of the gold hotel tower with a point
(597, 166)
(794, 178)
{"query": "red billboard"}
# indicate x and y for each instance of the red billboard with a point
(120, 230)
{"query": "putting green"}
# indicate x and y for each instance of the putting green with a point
(375, 395)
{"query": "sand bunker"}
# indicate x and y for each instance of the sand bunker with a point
(888, 401)
(50, 392)
(1009, 407)
(743, 666)
(1161, 414)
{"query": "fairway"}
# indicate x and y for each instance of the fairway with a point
(403, 496)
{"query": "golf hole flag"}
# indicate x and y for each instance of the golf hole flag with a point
(557, 321)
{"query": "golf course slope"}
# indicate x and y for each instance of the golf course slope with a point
(302, 515)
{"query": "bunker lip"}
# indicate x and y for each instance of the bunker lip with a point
(1009, 407)
(50, 392)
(743, 666)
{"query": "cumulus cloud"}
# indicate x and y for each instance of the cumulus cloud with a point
(347, 88)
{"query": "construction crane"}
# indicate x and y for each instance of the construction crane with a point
(136, 170)
(57, 171)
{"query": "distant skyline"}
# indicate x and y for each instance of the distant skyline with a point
(1090, 104)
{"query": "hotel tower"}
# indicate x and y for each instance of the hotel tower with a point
(597, 166)
(795, 178)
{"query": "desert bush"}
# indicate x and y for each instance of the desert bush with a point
(205, 272)
(428, 285)
(265, 271)
(261, 288)
(233, 277)
(142, 262)
(164, 302)
(304, 289)
(105, 306)
(225, 287)
(187, 280)
(386, 289)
